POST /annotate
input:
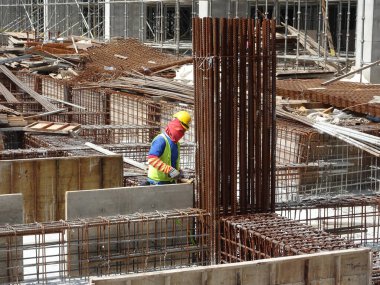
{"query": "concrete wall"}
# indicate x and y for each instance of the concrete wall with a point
(128, 200)
(346, 267)
(11, 209)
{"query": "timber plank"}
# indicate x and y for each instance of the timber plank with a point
(112, 171)
(90, 173)
(5, 177)
(24, 181)
(46, 189)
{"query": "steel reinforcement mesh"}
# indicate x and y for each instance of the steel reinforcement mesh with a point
(76, 145)
(353, 96)
(102, 106)
(65, 251)
(114, 134)
(260, 236)
(313, 164)
(354, 218)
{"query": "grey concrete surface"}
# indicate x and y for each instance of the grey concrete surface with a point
(11, 209)
(368, 38)
(127, 200)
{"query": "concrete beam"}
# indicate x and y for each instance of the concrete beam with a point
(127, 200)
(368, 38)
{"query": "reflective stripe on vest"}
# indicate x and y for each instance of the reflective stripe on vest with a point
(166, 157)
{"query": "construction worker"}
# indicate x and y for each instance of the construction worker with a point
(164, 153)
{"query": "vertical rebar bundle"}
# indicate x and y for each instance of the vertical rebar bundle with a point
(234, 63)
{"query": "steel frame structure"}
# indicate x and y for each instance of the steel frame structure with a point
(306, 20)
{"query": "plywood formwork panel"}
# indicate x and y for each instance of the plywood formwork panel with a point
(347, 267)
(46, 187)
(90, 173)
(23, 179)
(68, 175)
(44, 182)
(111, 172)
(5, 173)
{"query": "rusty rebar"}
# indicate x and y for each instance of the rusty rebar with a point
(260, 236)
(234, 63)
(104, 245)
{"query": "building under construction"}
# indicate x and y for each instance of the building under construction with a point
(279, 166)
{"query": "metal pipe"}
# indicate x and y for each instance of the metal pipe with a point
(362, 40)
(339, 28)
(298, 32)
(350, 73)
(177, 31)
(305, 31)
(348, 30)
(286, 33)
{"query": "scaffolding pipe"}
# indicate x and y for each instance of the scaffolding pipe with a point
(305, 33)
(84, 20)
(28, 16)
(350, 73)
(177, 26)
(362, 40)
(298, 32)
(286, 32)
(348, 30)
(339, 32)
(107, 21)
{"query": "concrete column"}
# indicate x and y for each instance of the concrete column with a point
(107, 20)
(203, 9)
(46, 21)
(368, 38)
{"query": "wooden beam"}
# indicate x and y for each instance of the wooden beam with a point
(45, 103)
(7, 94)
(125, 159)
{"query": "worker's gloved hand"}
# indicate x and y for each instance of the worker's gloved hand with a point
(174, 173)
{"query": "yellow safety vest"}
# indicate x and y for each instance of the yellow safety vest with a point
(166, 157)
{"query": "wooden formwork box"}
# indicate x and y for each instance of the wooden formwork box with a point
(44, 181)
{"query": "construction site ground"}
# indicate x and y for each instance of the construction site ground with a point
(76, 122)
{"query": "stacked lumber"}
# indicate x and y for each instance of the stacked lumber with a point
(16, 121)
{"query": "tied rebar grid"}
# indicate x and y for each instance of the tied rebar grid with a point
(77, 249)
(313, 164)
(234, 63)
(355, 218)
(261, 236)
(347, 95)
